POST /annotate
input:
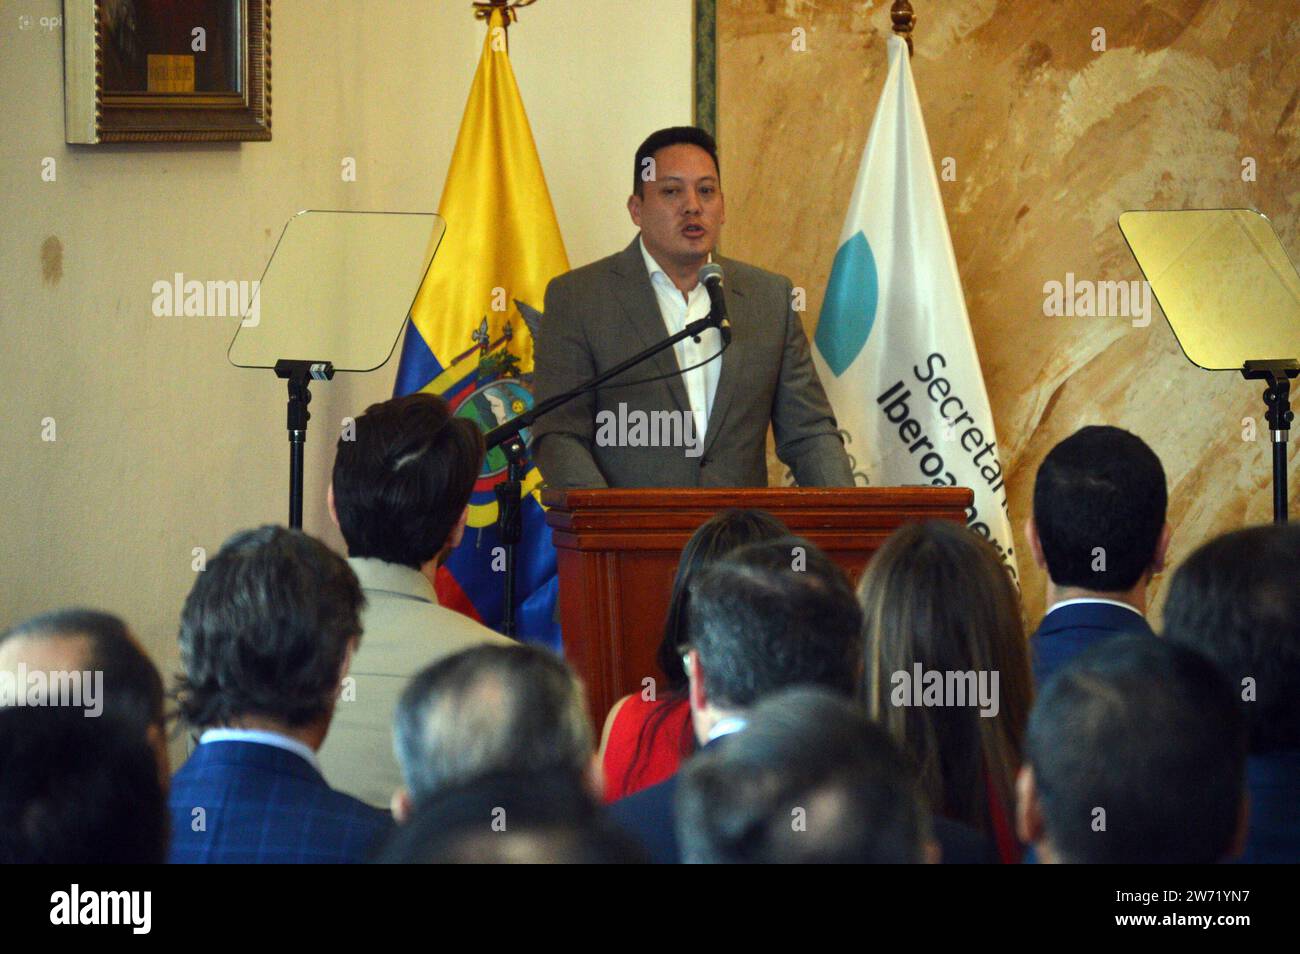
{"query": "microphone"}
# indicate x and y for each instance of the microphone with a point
(711, 276)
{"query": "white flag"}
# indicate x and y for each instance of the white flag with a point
(893, 344)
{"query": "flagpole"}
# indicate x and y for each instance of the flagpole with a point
(904, 21)
(483, 11)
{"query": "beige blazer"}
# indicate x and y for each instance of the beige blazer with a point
(404, 630)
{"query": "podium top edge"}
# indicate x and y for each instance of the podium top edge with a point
(760, 498)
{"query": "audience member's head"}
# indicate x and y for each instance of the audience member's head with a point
(946, 664)
(717, 537)
(491, 709)
(267, 633)
(1135, 754)
(1236, 600)
(810, 779)
(769, 616)
(1099, 513)
(547, 817)
(78, 791)
(403, 478)
(83, 641)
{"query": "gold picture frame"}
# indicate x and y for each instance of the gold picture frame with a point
(167, 70)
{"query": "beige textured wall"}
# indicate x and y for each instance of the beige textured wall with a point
(1052, 140)
(161, 446)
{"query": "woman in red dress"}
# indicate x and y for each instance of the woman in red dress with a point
(648, 734)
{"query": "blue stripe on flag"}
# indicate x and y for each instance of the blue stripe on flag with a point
(417, 366)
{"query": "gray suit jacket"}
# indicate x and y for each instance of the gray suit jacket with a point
(603, 313)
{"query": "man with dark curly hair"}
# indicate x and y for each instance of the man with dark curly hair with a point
(267, 634)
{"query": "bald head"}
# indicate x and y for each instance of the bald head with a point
(97, 652)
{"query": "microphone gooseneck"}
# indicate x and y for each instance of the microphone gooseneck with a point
(711, 276)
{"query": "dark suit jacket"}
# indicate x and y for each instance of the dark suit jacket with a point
(650, 816)
(1069, 630)
(1273, 781)
(265, 804)
(603, 313)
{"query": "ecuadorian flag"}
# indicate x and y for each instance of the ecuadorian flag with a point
(470, 337)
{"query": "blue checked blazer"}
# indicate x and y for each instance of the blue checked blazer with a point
(265, 805)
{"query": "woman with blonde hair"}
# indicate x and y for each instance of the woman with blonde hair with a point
(946, 670)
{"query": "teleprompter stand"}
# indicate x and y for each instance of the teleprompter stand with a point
(1232, 297)
(1277, 401)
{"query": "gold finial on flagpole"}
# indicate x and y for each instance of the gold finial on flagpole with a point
(904, 21)
(483, 9)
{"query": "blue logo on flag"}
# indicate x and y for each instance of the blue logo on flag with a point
(849, 309)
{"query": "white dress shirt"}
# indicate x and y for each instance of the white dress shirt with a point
(1092, 599)
(678, 311)
(262, 737)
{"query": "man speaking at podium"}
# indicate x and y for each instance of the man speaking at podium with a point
(702, 422)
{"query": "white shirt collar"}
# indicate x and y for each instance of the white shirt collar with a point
(726, 726)
(1093, 599)
(262, 737)
(655, 269)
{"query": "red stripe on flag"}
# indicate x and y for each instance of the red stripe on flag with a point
(452, 596)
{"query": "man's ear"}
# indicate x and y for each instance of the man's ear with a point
(347, 658)
(1029, 815)
(156, 736)
(634, 209)
(695, 679)
(594, 779)
(1162, 549)
(329, 499)
(1035, 544)
(458, 532)
(400, 805)
(1243, 828)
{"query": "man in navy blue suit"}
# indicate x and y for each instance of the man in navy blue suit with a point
(1237, 601)
(267, 633)
(1099, 529)
(1135, 754)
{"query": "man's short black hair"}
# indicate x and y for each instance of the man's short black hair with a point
(1138, 752)
(1099, 505)
(403, 477)
(642, 171)
(772, 615)
(491, 709)
(1236, 600)
(78, 791)
(133, 688)
(808, 780)
(265, 630)
(511, 817)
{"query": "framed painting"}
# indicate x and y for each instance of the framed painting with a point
(167, 70)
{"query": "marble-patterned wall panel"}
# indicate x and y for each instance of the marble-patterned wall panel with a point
(1053, 137)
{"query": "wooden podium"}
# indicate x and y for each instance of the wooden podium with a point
(618, 550)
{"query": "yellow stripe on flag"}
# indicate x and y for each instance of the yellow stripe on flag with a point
(502, 240)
